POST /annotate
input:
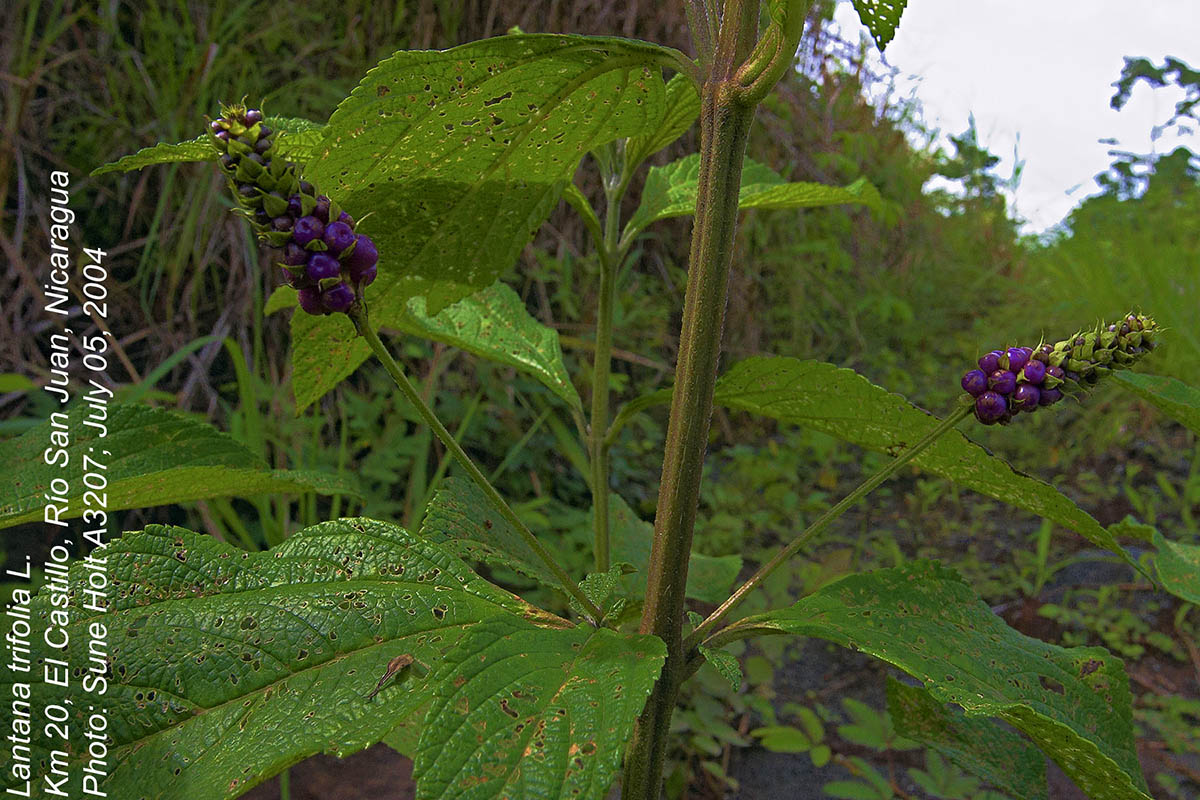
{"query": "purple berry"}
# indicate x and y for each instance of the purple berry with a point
(321, 211)
(1055, 372)
(338, 298)
(253, 116)
(307, 188)
(1034, 372)
(1017, 358)
(216, 125)
(363, 258)
(1049, 397)
(1026, 397)
(307, 229)
(295, 209)
(322, 266)
(990, 408)
(310, 300)
(338, 236)
(282, 224)
(367, 276)
(975, 382)
(294, 255)
(223, 135)
(991, 362)
(1002, 381)
(346, 218)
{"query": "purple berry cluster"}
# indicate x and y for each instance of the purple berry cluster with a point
(320, 253)
(1011, 381)
(1018, 379)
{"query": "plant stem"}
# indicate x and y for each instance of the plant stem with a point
(601, 370)
(724, 130)
(359, 318)
(822, 523)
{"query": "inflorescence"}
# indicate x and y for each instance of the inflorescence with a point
(320, 253)
(1018, 379)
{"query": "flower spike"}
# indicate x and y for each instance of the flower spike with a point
(1018, 379)
(318, 250)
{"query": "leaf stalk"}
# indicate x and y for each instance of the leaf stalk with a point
(358, 316)
(823, 522)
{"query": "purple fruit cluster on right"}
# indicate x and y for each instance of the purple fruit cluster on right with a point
(321, 255)
(1024, 379)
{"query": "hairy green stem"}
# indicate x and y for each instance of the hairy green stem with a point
(602, 369)
(724, 129)
(847, 502)
(359, 318)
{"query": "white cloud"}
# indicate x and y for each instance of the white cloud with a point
(1040, 71)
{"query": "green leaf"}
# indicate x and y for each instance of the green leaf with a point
(494, 324)
(15, 382)
(521, 711)
(881, 17)
(297, 140)
(683, 109)
(599, 588)
(325, 351)
(198, 149)
(459, 156)
(229, 666)
(491, 324)
(709, 579)
(282, 298)
(782, 739)
(727, 665)
(842, 403)
(997, 755)
(671, 191)
(153, 457)
(923, 618)
(1178, 567)
(1131, 528)
(1174, 398)
(463, 521)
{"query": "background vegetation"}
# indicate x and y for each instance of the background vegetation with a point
(908, 297)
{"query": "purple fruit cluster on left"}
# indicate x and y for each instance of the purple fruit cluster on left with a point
(319, 251)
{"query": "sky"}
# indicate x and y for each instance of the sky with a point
(1038, 75)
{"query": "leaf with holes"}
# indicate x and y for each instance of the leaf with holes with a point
(630, 537)
(297, 140)
(671, 191)
(459, 156)
(522, 711)
(464, 522)
(1178, 567)
(229, 666)
(799, 392)
(152, 457)
(923, 618)
(492, 324)
(1174, 398)
(683, 108)
(982, 747)
(881, 17)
